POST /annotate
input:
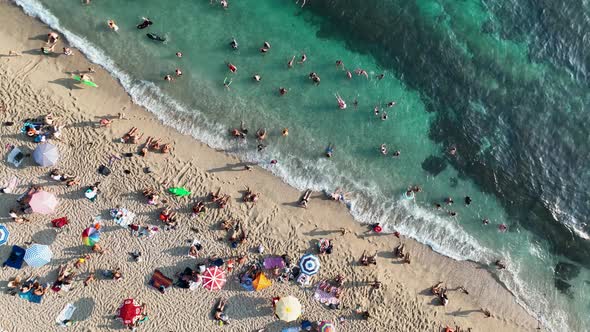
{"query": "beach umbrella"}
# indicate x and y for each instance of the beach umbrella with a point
(129, 312)
(46, 154)
(288, 308)
(213, 278)
(179, 191)
(309, 264)
(326, 327)
(38, 255)
(43, 202)
(261, 282)
(4, 233)
(90, 236)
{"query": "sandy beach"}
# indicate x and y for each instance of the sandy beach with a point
(33, 84)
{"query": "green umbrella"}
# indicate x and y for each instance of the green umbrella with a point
(179, 191)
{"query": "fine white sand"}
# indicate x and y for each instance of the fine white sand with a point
(32, 85)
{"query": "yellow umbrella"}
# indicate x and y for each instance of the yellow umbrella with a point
(288, 308)
(261, 282)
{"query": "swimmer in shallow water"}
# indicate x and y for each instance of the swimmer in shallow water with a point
(330, 150)
(303, 58)
(146, 23)
(112, 25)
(234, 44)
(383, 149)
(256, 77)
(290, 64)
(179, 54)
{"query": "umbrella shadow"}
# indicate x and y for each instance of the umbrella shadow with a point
(67, 83)
(177, 251)
(46, 236)
(245, 307)
(84, 308)
(231, 167)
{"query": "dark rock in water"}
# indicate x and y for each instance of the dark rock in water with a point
(566, 271)
(434, 165)
(453, 182)
(564, 287)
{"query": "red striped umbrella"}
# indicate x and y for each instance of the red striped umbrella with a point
(213, 278)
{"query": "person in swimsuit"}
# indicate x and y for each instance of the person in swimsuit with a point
(383, 149)
(282, 91)
(178, 72)
(234, 44)
(179, 54)
(341, 102)
(330, 150)
(256, 78)
(303, 58)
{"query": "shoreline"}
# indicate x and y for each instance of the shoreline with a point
(410, 281)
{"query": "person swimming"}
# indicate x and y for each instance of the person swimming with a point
(303, 58)
(153, 36)
(234, 44)
(391, 104)
(232, 68)
(146, 23)
(227, 83)
(339, 64)
(349, 74)
(256, 78)
(384, 116)
(341, 102)
(178, 72)
(383, 149)
(112, 25)
(330, 150)
(179, 54)
(290, 64)
(282, 91)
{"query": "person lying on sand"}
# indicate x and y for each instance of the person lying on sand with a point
(250, 196)
(198, 207)
(166, 148)
(219, 315)
(105, 122)
(435, 289)
(304, 200)
(132, 136)
(152, 196)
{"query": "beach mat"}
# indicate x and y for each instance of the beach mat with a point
(160, 280)
(65, 315)
(16, 258)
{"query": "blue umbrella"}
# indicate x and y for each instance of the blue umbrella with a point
(38, 255)
(4, 234)
(309, 264)
(46, 154)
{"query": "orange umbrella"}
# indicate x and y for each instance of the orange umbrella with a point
(261, 282)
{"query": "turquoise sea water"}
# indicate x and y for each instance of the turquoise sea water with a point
(507, 92)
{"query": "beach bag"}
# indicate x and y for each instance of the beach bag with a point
(60, 222)
(104, 170)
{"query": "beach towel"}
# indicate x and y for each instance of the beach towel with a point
(159, 280)
(273, 262)
(60, 222)
(304, 280)
(325, 297)
(11, 185)
(16, 258)
(15, 157)
(29, 296)
(65, 315)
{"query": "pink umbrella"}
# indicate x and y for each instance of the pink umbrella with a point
(213, 278)
(43, 202)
